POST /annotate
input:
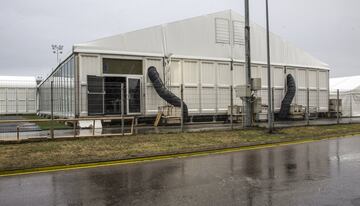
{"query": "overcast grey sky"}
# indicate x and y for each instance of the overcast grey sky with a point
(327, 29)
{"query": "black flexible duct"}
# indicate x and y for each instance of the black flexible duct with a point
(290, 94)
(164, 93)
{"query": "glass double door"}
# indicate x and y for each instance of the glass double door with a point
(107, 98)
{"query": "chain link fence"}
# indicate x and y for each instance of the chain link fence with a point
(115, 107)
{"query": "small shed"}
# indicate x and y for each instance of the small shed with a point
(349, 90)
(17, 95)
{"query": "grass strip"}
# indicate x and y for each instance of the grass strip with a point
(77, 151)
(47, 125)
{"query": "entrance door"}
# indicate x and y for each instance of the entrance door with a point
(134, 95)
(95, 95)
(113, 95)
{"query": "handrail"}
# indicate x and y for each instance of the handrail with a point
(65, 120)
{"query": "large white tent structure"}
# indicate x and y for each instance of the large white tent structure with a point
(206, 54)
(17, 95)
(349, 92)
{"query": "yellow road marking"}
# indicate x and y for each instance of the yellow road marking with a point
(155, 158)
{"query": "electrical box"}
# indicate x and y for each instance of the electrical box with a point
(255, 84)
(257, 105)
(243, 91)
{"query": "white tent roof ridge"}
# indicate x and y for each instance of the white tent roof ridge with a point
(195, 37)
(349, 83)
(150, 27)
(17, 81)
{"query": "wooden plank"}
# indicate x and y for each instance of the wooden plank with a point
(158, 118)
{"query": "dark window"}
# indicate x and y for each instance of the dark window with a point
(122, 66)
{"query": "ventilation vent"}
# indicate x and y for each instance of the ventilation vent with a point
(239, 36)
(222, 31)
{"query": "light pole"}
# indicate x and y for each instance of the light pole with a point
(270, 114)
(248, 104)
(57, 49)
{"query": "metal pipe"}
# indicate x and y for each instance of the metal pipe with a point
(18, 133)
(122, 108)
(52, 109)
(273, 107)
(74, 124)
(93, 129)
(338, 107)
(231, 106)
(307, 106)
(182, 107)
(268, 69)
(350, 121)
(248, 112)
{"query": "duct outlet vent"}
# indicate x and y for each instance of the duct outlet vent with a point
(222, 31)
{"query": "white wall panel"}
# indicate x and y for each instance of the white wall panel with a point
(175, 70)
(191, 72)
(3, 100)
(302, 97)
(192, 99)
(208, 73)
(301, 78)
(223, 74)
(11, 106)
(324, 100)
(312, 76)
(89, 65)
(264, 96)
(278, 77)
(21, 106)
(239, 77)
(313, 102)
(323, 80)
(153, 101)
(278, 97)
(223, 97)
(208, 100)
(262, 73)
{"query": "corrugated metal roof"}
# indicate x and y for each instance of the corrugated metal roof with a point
(17, 81)
(351, 83)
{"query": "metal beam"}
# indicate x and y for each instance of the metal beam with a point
(270, 114)
(248, 105)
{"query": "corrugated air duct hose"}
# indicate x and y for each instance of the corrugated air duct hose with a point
(290, 94)
(164, 93)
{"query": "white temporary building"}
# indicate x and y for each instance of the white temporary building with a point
(206, 54)
(17, 95)
(349, 90)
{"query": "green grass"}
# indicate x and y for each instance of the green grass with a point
(47, 125)
(64, 152)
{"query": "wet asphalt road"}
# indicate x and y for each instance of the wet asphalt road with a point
(321, 173)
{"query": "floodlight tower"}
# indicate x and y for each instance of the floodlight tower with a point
(57, 49)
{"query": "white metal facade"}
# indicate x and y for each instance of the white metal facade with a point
(17, 95)
(207, 83)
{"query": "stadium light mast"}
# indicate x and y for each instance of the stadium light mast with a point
(57, 49)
